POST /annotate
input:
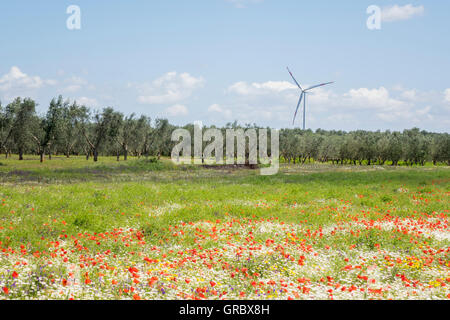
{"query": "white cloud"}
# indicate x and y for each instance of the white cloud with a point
(215, 108)
(177, 110)
(75, 84)
(72, 88)
(88, 102)
(15, 79)
(358, 108)
(241, 88)
(447, 95)
(321, 97)
(409, 95)
(275, 86)
(244, 88)
(170, 88)
(405, 107)
(413, 116)
(243, 3)
(342, 118)
(372, 98)
(398, 13)
(424, 111)
(77, 80)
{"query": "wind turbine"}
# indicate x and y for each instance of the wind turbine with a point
(303, 96)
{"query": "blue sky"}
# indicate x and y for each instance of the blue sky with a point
(217, 61)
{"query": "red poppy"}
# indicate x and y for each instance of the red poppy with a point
(152, 281)
(133, 270)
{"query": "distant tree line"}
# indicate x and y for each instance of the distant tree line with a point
(412, 147)
(72, 129)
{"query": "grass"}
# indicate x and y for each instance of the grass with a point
(359, 211)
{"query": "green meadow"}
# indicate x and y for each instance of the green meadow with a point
(64, 198)
(94, 197)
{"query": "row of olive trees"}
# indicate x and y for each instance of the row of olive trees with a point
(414, 147)
(71, 129)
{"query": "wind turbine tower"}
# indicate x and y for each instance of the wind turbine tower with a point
(303, 97)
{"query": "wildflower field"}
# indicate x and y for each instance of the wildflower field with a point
(72, 229)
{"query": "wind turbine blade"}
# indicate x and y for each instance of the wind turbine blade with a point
(294, 79)
(319, 85)
(298, 105)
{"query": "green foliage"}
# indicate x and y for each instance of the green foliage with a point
(152, 195)
(70, 129)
